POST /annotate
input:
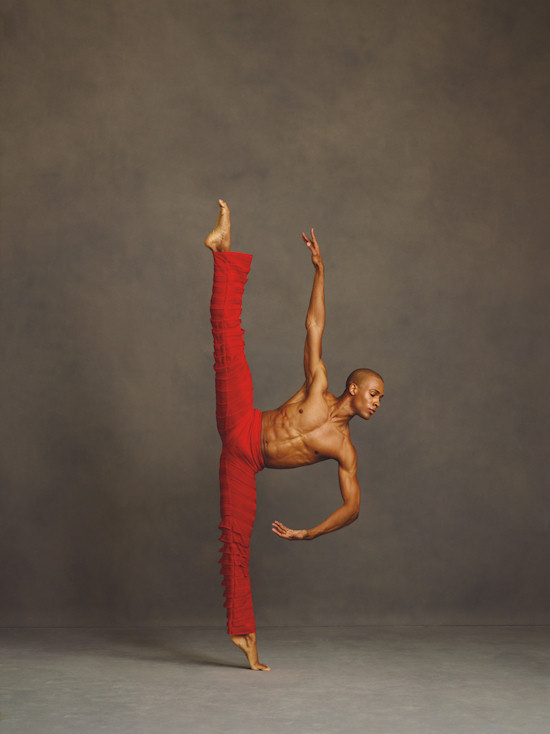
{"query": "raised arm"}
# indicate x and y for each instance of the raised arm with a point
(344, 515)
(314, 367)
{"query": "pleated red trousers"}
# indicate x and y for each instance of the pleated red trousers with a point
(239, 426)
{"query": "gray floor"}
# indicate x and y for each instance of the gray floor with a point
(375, 680)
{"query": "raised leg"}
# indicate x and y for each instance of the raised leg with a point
(234, 389)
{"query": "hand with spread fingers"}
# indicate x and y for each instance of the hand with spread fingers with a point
(283, 532)
(314, 248)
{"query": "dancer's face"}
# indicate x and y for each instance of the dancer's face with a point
(367, 396)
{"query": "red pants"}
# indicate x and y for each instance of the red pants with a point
(239, 426)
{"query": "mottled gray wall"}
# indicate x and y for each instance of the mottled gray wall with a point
(415, 138)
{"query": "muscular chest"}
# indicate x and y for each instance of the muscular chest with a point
(311, 434)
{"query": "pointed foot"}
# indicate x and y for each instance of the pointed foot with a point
(219, 240)
(248, 644)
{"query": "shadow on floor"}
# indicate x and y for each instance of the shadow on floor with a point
(160, 645)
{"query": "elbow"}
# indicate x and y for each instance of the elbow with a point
(312, 324)
(354, 514)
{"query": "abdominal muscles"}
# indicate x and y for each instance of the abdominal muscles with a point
(283, 447)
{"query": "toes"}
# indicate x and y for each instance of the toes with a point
(260, 666)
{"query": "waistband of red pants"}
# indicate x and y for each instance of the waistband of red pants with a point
(256, 440)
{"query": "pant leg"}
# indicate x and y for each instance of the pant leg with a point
(234, 390)
(238, 511)
(235, 416)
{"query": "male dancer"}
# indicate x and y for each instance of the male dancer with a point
(311, 426)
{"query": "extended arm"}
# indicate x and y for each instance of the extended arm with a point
(344, 515)
(314, 367)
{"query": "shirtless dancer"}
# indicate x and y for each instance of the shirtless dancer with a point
(311, 426)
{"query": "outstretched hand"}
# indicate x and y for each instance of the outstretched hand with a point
(314, 248)
(283, 532)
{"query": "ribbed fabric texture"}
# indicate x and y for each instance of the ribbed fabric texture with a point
(239, 426)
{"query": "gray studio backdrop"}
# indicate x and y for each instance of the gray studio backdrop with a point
(415, 138)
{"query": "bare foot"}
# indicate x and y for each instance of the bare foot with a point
(219, 240)
(247, 643)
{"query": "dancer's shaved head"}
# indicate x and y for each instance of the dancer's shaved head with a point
(360, 375)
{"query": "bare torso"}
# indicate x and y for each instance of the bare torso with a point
(303, 431)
